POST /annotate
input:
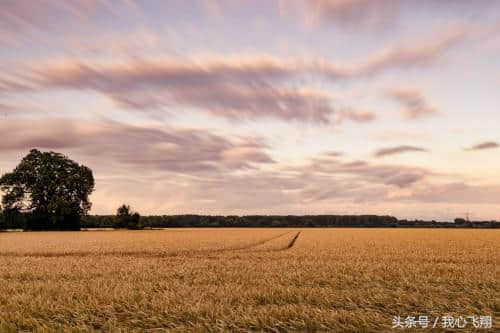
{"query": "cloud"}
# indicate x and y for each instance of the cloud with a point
(356, 14)
(422, 51)
(333, 154)
(245, 88)
(326, 184)
(239, 156)
(457, 192)
(236, 90)
(352, 12)
(354, 115)
(414, 105)
(397, 150)
(15, 14)
(404, 179)
(324, 179)
(6, 109)
(399, 176)
(363, 172)
(26, 18)
(8, 85)
(419, 52)
(484, 145)
(148, 164)
(11, 110)
(160, 149)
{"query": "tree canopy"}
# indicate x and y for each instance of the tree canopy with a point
(126, 219)
(51, 188)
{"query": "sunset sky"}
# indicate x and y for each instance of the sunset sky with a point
(261, 106)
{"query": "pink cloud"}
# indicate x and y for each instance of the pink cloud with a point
(245, 88)
(352, 12)
(484, 145)
(165, 149)
(397, 150)
(414, 105)
(358, 116)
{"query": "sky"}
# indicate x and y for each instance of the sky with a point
(261, 106)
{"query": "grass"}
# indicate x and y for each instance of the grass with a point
(277, 280)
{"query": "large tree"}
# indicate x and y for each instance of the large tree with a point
(50, 188)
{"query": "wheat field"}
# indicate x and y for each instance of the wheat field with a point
(239, 280)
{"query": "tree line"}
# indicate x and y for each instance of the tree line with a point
(125, 218)
(282, 221)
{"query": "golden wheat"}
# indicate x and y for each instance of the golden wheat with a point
(198, 280)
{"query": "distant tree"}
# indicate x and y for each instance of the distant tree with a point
(52, 190)
(463, 222)
(126, 219)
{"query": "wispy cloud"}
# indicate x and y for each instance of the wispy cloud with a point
(397, 150)
(363, 171)
(377, 13)
(419, 52)
(24, 21)
(352, 12)
(354, 115)
(483, 146)
(237, 90)
(456, 192)
(159, 149)
(248, 87)
(414, 105)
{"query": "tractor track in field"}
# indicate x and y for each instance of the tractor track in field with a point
(151, 254)
(290, 245)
